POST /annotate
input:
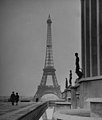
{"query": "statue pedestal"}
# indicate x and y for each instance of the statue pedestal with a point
(95, 107)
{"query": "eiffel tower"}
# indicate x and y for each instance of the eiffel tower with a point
(48, 70)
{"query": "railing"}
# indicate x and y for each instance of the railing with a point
(36, 113)
(33, 111)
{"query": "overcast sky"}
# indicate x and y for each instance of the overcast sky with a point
(23, 35)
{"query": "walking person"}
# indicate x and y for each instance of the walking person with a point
(17, 98)
(12, 98)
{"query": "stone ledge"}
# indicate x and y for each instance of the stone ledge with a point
(90, 79)
(60, 116)
(35, 112)
(18, 114)
(77, 112)
(63, 103)
(98, 100)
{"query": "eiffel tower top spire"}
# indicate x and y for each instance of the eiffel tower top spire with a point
(49, 54)
(49, 20)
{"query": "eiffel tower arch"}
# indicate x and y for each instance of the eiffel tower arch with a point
(48, 70)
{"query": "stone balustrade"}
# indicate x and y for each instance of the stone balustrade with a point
(62, 106)
(31, 112)
(36, 113)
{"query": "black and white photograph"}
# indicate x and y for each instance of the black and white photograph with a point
(50, 60)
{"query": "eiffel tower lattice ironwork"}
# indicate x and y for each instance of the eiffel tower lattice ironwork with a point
(48, 70)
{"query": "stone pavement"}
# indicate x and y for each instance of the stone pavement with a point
(9, 112)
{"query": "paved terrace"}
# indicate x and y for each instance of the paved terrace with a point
(23, 111)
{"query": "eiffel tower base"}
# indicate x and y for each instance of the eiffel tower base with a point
(43, 90)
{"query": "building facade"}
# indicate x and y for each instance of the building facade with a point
(90, 86)
(91, 22)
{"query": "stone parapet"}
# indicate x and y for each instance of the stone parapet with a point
(90, 87)
(30, 112)
(90, 79)
(74, 114)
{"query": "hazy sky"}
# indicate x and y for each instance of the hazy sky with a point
(23, 34)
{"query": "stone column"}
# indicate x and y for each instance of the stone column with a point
(98, 46)
(85, 34)
(90, 39)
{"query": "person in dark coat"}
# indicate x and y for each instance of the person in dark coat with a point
(12, 98)
(17, 98)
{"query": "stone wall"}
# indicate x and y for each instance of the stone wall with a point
(89, 88)
(73, 97)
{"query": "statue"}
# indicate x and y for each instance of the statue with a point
(78, 72)
(66, 83)
(70, 78)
